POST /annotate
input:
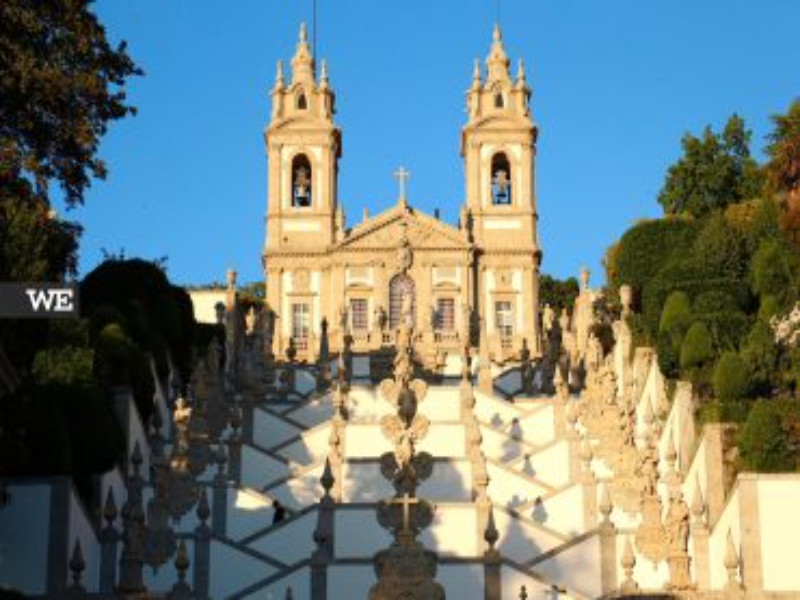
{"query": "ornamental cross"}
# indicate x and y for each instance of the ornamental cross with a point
(402, 177)
(407, 501)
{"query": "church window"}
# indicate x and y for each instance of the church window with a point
(501, 180)
(504, 319)
(445, 314)
(302, 102)
(359, 314)
(301, 182)
(498, 100)
(400, 287)
(301, 325)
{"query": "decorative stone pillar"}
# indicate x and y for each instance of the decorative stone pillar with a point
(109, 540)
(219, 511)
(235, 446)
(181, 590)
(485, 382)
(202, 547)
(628, 562)
(77, 565)
(608, 544)
(131, 559)
(589, 484)
(492, 580)
(700, 535)
(323, 537)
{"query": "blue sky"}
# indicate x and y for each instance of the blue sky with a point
(615, 86)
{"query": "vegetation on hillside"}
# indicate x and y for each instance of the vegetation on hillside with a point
(717, 276)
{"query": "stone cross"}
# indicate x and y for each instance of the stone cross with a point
(402, 177)
(407, 501)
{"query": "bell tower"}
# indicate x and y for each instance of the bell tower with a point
(498, 146)
(303, 147)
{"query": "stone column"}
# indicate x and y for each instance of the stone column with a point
(715, 469)
(109, 539)
(202, 548)
(485, 382)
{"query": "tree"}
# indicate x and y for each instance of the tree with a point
(783, 150)
(714, 171)
(765, 441)
(697, 348)
(731, 378)
(62, 84)
(558, 293)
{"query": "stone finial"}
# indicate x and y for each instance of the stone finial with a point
(136, 458)
(587, 454)
(110, 511)
(523, 593)
(76, 566)
(626, 299)
(476, 74)
(732, 564)
(203, 508)
(220, 458)
(279, 75)
(521, 73)
(698, 503)
(181, 589)
(648, 417)
(628, 562)
(323, 75)
(327, 480)
(491, 535)
(584, 277)
(606, 506)
(572, 414)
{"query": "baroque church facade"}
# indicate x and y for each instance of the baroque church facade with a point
(475, 281)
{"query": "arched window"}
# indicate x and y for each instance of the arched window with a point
(301, 181)
(399, 287)
(501, 180)
(498, 100)
(302, 103)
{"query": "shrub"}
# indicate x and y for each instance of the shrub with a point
(731, 378)
(760, 353)
(667, 356)
(63, 366)
(764, 442)
(696, 348)
(772, 271)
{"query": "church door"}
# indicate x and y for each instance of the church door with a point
(399, 287)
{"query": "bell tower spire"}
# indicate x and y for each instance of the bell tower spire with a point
(498, 146)
(303, 148)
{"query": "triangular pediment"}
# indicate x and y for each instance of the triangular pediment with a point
(390, 228)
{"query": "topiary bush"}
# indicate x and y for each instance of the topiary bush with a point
(765, 441)
(697, 348)
(731, 378)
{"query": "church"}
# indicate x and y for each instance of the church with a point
(477, 280)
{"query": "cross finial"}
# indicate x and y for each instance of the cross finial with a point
(402, 176)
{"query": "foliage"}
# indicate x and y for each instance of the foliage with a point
(62, 84)
(783, 150)
(63, 366)
(697, 348)
(760, 354)
(252, 295)
(155, 314)
(731, 378)
(766, 441)
(558, 293)
(774, 269)
(676, 316)
(715, 170)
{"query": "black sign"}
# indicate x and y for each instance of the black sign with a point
(38, 300)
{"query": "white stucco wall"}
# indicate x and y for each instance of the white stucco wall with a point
(779, 517)
(24, 535)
